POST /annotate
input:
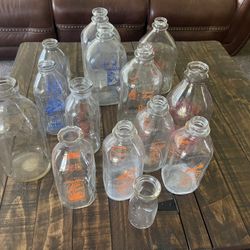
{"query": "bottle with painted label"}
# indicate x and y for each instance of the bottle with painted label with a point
(123, 154)
(104, 59)
(24, 154)
(165, 51)
(51, 51)
(50, 91)
(140, 81)
(154, 126)
(189, 152)
(191, 96)
(82, 110)
(74, 170)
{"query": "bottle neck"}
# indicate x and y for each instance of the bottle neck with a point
(99, 15)
(81, 86)
(160, 24)
(50, 44)
(8, 87)
(144, 52)
(196, 72)
(46, 66)
(158, 105)
(70, 135)
(198, 126)
(105, 31)
(124, 130)
(98, 19)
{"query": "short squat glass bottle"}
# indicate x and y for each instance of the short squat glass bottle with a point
(50, 92)
(82, 110)
(143, 204)
(122, 160)
(165, 51)
(104, 59)
(23, 155)
(191, 96)
(140, 80)
(74, 168)
(189, 153)
(154, 126)
(51, 51)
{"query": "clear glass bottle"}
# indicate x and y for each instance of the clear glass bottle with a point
(189, 153)
(50, 91)
(140, 80)
(154, 126)
(104, 59)
(122, 160)
(82, 110)
(51, 51)
(23, 155)
(165, 51)
(74, 170)
(191, 96)
(143, 204)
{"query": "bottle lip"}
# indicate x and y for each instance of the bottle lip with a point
(80, 85)
(144, 52)
(198, 126)
(196, 71)
(160, 23)
(124, 129)
(69, 135)
(105, 30)
(155, 186)
(46, 66)
(7, 85)
(99, 11)
(158, 104)
(50, 43)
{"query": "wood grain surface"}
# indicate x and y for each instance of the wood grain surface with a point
(215, 216)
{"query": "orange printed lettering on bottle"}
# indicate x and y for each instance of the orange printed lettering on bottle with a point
(125, 180)
(147, 95)
(75, 190)
(196, 170)
(73, 155)
(118, 152)
(155, 151)
(132, 95)
(133, 80)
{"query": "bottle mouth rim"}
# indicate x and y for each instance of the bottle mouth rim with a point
(196, 71)
(99, 11)
(80, 85)
(158, 104)
(46, 65)
(50, 43)
(104, 29)
(69, 134)
(124, 129)
(7, 84)
(160, 23)
(144, 51)
(198, 126)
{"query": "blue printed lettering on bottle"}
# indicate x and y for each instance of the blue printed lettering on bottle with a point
(113, 69)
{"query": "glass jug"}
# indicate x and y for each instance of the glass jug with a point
(82, 110)
(191, 96)
(74, 168)
(165, 51)
(154, 126)
(122, 160)
(104, 59)
(189, 153)
(23, 153)
(140, 80)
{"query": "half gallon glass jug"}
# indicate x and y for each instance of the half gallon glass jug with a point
(23, 153)
(82, 110)
(104, 59)
(165, 51)
(189, 153)
(74, 168)
(191, 96)
(154, 126)
(140, 80)
(122, 160)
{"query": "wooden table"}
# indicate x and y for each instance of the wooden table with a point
(216, 216)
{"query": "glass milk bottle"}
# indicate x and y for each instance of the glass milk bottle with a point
(104, 59)
(23, 155)
(74, 168)
(155, 125)
(191, 96)
(122, 160)
(189, 153)
(143, 204)
(50, 92)
(82, 110)
(165, 51)
(140, 80)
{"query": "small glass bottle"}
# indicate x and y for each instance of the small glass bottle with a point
(122, 160)
(140, 80)
(23, 155)
(191, 96)
(51, 51)
(143, 204)
(50, 91)
(189, 153)
(104, 59)
(74, 170)
(82, 110)
(154, 126)
(165, 51)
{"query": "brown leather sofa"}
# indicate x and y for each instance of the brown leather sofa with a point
(227, 21)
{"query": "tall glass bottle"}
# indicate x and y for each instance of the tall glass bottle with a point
(82, 110)
(23, 155)
(189, 153)
(50, 91)
(51, 51)
(104, 59)
(165, 51)
(122, 160)
(74, 170)
(154, 126)
(140, 80)
(191, 96)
